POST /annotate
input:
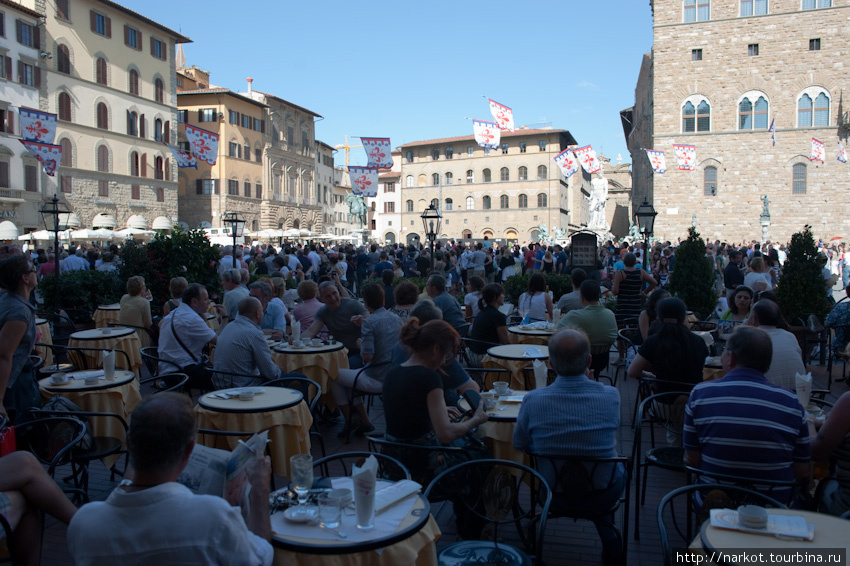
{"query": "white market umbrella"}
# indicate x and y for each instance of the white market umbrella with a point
(45, 235)
(291, 233)
(307, 233)
(267, 233)
(326, 236)
(86, 234)
(133, 232)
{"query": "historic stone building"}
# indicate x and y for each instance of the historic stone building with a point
(719, 73)
(505, 194)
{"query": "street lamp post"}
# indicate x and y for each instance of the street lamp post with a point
(237, 228)
(645, 215)
(55, 209)
(431, 219)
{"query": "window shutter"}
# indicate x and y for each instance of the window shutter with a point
(36, 71)
(20, 72)
(36, 35)
(19, 29)
(108, 27)
(93, 18)
(200, 115)
(126, 35)
(164, 51)
(139, 40)
(10, 122)
(142, 126)
(167, 169)
(4, 174)
(129, 124)
(216, 187)
(199, 187)
(144, 164)
(168, 132)
(153, 48)
(263, 126)
(9, 68)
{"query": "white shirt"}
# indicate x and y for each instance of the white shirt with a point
(165, 524)
(752, 278)
(787, 360)
(194, 333)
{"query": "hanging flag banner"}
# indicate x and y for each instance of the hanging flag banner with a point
(842, 153)
(364, 180)
(686, 156)
(182, 158)
(49, 155)
(379, 152)
(656, 159)
(772, 130)
(204, 144)
(567, 162)
(503, 115)
(817, 151)
(587, 157)
(37, 126)
(487, 134)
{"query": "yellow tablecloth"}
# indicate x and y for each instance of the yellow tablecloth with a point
(535, 337)
(499, 434)
(289, 431)
(121, 400)
(105, 314)
(318, 366)
(44, 352)
(419, 549)
(516, 368)
(129, 343)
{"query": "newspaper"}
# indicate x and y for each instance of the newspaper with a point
(212, 471)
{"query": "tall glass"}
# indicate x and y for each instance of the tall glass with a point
(301, 475)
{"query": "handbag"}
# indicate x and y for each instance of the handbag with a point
(7, 440)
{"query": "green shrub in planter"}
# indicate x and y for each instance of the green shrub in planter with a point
(801, 288)
(692, 279)
(82, 291)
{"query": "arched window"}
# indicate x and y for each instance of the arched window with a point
(542, 172)
(449, 203)
(435, 179)
(101, 75)
(466, 234)
(505, 174)
(103, 159)
(470, 176)
(63, 59)
(132, 123)
(157, 129)
(134, 82)
(542, 200)
(523, 201)
(710, 181)
(798, 179)
(64, 106)
(503, 202)
(134, 164)
(470, 203)
(421, 180)
(67, 153)
(485, 202)
(158, 168)
(409, 181)
(158, 90)
(435, 154)
(449, 178)
(102, 116)
(409, 206)
(409, 156)
(696, 119)
(486, 174)
(822, 110)
(435, 203)
(752, 117)
(523, 173)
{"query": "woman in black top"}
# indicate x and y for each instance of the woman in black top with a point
(490, 324)
(629, 288)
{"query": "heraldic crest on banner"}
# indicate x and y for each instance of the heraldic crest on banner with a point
(686, 157)
(379, 152)
(487, 134)
(587, 157)
(503, 115)
(364, 180)
(567, 163)
(204, 144)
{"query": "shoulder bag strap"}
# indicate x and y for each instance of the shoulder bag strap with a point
(179, 341)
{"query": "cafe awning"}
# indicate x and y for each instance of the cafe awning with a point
(137, 221)
(103, 221)
(70, 220)
(8, 231)
(162, 223)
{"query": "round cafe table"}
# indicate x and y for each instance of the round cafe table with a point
(279, 410)
(105, 314)
(405, 533)
(513, 357)
(119, 396)
(498, 431)
(42, 328)
(713, 368)
(522, 334)
(112, 338)
(319, 363)
(830, 532)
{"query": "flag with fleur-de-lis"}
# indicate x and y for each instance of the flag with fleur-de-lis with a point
(182, 158)
(487, 134)
(364, 180)
(818, 151)
(842, 153)
(587, 157)
(48, 154)
(503, 115)
(203, 143)
(657, 160)
(686, 156)
(567, 162)
(379, 152)
(37, 126)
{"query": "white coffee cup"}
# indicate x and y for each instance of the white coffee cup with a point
(92, 380)
(59, 378)
(501, 387)
(316, 342)
(246, 395)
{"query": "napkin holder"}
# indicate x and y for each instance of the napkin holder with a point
(296, 331)
(109, 365)
(803, 384)
(541, 374)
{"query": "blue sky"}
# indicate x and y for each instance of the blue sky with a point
(415, 70)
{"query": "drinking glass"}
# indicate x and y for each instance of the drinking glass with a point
(301, 475)
(330, 513)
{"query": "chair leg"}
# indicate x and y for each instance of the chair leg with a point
(637, 465)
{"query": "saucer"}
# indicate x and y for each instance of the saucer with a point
(508, 392)
(301, 514)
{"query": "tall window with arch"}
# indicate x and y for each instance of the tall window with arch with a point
(486, 203)
(522, 174)
(102, 116)
(159, 170)
(101, 71)
(709, 176)
(159, 90)
(542, 172)
(157, 129)
(65, 106)
(522, 201)
(132, 123)
(486, 174)
(408, 181)
(470, 203)
(435, 179)
(409, 156)
(504, 202)
(449, 178)
(134, 163)
(470, 176)
(449, 204)
(753, 116)
(435, 203)
(807, 109)
(505, 174)
(67, 153)
(134, 82)
(542, 200)
(696, 119)
(409, 205)
(63, 59)
(798, 179)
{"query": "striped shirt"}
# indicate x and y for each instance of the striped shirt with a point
(745, 426)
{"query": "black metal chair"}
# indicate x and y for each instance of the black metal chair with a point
(771, 488)
(61, 326)
(167, 382)
(678, 505)
(414, 457)
(493, 492)
(468, 356)
(340, 464)
(667, 411)
(312, 391)
(152, 332)
(579, 480)
(76, 355)
(481, 375)
(628, 341)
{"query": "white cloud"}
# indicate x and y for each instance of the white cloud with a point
(587, 84)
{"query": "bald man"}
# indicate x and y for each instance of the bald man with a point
(242, 349)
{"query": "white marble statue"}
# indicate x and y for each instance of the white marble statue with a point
(598, 198)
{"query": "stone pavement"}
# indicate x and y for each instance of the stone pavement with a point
(566, 542)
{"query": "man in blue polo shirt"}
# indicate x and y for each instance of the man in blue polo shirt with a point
(742, 424)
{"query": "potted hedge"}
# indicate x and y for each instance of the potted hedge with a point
(801, 288)
(692, 278)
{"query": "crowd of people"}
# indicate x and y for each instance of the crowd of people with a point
(403, 343)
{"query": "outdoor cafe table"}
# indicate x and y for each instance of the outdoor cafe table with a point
(119, 396)
(279, 410)
(713, 368)
(42, 327)
(106, 314)
(830, 533)
(405, 534)
(319, 363)
(498, 431)
(113, 338)
(513, 357)
(525, 334)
